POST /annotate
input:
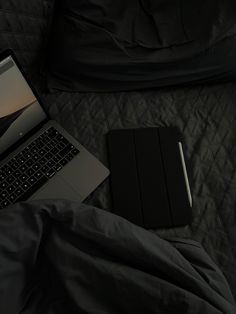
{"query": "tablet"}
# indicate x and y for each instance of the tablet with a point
(149, 180)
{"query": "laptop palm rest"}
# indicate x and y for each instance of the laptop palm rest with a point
(57, 188)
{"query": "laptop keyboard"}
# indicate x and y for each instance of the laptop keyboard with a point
(27, 171)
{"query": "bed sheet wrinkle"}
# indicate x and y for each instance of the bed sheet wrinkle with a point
(206, 115)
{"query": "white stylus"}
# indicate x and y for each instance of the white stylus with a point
(185, 173)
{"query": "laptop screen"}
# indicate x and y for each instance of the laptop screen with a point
(20, 111)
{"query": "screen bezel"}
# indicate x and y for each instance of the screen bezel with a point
(3, 55)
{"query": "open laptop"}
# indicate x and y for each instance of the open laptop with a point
(38, 158)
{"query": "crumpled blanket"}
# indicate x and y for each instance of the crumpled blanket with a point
(64, 257)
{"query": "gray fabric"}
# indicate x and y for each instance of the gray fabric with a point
(24, 28)
(206, 116)
(60, 257)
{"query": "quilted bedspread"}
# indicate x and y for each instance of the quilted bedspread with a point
(206, 116)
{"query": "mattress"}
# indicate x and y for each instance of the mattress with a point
(206, 116)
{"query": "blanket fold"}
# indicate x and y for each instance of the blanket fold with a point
(63, 257)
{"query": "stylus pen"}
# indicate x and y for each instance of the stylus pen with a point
(185, 173)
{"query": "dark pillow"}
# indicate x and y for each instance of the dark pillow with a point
(106, 45)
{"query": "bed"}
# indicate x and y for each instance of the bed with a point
(205, 114)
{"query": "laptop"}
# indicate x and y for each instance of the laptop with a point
(38, 158)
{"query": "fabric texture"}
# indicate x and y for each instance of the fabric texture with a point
(57, 257)
(204, 114)
(24, 28)
(206, 117)
(107, 46)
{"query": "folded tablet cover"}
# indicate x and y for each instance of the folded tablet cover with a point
(147, 178)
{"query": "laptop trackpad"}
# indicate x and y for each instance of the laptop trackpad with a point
(57, 188)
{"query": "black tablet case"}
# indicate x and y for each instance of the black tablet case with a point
(147, 178)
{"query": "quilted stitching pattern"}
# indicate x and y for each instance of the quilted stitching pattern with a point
(23, 28)
(206, 115)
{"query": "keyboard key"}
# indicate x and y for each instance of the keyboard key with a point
(12, 197)
(29, 162)
(3, 185)
(31, 145)
(45, 169)
(26, 150)
(10, 189)
(28, 155)
(53, 143)
(21, 160)
(50, 173)
(5, 203)
(8, 171)
(12, 161)
(36, 157)
(52, 134)
(75, 151)
(51, 163)
(59, 137)
(61, 145)
(69, 157)
(42, 152)
(55, 150)
(17, 173)
(37, 141)
(3, 195)
(48, 156)
(10, 179)
(56, 158)
(2, 176)
(63, 162)
(32, 180)
(38, 174)
(43, 161)
(47, 131)
(23, 168)
(17, 183)
(14, 166)
(36, 166)
(49, 146)
(43, 136)
(15, 158)
(19, 191)
(66, 150)
(4, 169)
(30, 171)
(65, 141)
(57, 167)
(23, 177)
(34, 150)
(25, 185)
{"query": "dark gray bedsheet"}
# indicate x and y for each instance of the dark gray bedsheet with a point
(206, 115)
(58, 257)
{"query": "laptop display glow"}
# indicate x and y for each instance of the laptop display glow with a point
(20, 111)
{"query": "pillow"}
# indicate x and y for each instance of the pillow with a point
(105, 45)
